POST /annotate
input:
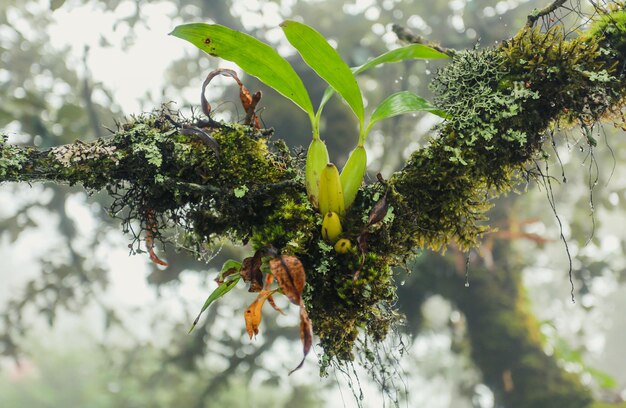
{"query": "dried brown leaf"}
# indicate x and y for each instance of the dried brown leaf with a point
(289, 273)
(253, 314)
(251, 272)
(306, 335)
(378, 211)
(248, 101)
(270, 300)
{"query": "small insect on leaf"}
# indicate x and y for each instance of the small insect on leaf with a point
(289, 273)
(253, 314)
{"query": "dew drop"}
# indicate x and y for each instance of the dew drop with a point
(467, 284)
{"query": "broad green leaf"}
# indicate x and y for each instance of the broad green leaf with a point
(326, 62)
(399, 103)
(253, 56)
(413, 51)
(220, 291)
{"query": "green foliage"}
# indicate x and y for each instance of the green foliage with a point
(253, 56)
(326, 62)
(398, 104)
(409, 52)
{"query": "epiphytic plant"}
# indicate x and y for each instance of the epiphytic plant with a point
(329, 192)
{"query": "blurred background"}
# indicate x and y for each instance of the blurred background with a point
(83, 324)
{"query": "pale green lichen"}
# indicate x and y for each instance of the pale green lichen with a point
(12, 158)
(241, 191)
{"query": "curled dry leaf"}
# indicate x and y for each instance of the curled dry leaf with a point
(289, 273)
(306, 335)
(248, 101)
(251, 272)
(378, 211)
(253, 315)
(270, 300)
(151, 227)
(204, 138)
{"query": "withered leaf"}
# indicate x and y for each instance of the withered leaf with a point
(251, 272)
(204, 138)
(306, 335)
(253, 314)
(270, 300)
(378, 211)
(248, 101)
(289, 273)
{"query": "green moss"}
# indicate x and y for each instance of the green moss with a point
(12, 159)
(611, 29)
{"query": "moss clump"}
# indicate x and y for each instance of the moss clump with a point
(288, 224)
(342, 308)
(611, 28)
(12, 159)
(576, 81)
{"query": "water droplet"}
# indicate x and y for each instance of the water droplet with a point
(402, 283)
(467, 284)
(427, 72)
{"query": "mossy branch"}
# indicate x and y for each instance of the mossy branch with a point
(501, 102)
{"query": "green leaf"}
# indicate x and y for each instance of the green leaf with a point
(253, 56)
(220, 291)
(228, 265)
(326, 62)
(397, 104)
(413, 51)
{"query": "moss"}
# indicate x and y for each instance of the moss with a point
(12, 159)
(610, 28)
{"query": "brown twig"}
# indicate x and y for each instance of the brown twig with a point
(536, 14)
(404, 34)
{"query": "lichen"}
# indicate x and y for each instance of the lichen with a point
(12, 159)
